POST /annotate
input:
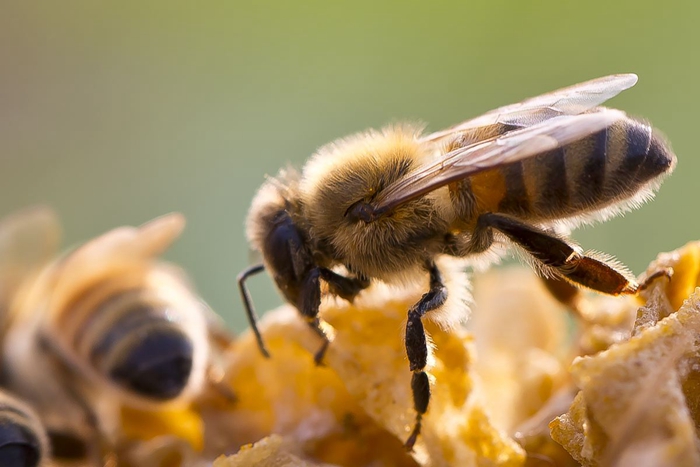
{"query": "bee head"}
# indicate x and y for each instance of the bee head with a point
(276, 229)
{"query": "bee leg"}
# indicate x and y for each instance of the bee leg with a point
(417, 347)
(216, 380)
(346, 288)
(220, 340)
(67, 446)
(102, 449)
(666, 273)
(460, 246)
(310, 299)
(568, 295)
(557, 254)
(248, 304)
(309, 304)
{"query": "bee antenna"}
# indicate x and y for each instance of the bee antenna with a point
(248, 304)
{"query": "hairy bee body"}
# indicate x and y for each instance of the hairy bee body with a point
(388, 204)
(134, 335)
(600, 175)
(104, 326)
(109, 314)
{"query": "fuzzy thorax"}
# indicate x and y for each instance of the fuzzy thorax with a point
(356, 169)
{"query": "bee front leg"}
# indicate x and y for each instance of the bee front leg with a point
(220, 340)
(309, 304)
(417, 347)
(310, 299)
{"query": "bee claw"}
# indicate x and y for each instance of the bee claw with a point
(320, 354)
(664, 272)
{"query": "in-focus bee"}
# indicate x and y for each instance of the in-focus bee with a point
(23, 439)
(106, 322)
(384, 204)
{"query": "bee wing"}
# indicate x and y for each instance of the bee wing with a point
(29, 239)
(572, 100)
(156, 236)
(147, 240)
(514, 146)
(111, 253)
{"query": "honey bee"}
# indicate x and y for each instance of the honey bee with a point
(385, 204)
(23, 439)
(105, 322)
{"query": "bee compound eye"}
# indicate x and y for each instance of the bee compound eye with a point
(19, 447)
(158, 366)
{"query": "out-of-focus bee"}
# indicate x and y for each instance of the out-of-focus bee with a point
(106, 325)
(384, 204)
(23, 439)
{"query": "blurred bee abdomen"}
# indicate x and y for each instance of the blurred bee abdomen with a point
(135, 340)
(158, 366)
(22, 437)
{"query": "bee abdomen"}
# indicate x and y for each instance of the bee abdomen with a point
(139, 348)
(636, 156)
(157, 366)
(22, 437)
(614, 164)
(537, 186)
(600, 170)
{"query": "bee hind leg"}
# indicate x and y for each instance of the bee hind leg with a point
(417, 348)
(560, 256)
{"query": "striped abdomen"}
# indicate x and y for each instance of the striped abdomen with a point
(23, 440)
(599, 171)
(135, 340)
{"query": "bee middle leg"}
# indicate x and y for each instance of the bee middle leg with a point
(100, 445)
(346, 288)
(561, 257)
(417, 347)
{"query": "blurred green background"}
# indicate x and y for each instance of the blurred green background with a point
(117, 113)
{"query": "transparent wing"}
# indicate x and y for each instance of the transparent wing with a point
(147, 240)
(29, 239)
(119, 253)
(572, 100)
(513, 146)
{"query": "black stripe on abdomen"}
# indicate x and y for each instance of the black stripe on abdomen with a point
(515, 201)
(590, 156)
(554, 187)
(135, 316)
(545, 175)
